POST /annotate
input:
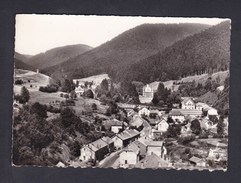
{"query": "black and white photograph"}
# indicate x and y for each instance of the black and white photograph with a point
(121, 92)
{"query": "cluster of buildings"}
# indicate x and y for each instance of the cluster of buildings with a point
(135, 150)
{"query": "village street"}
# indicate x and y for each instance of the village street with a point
(111, 160)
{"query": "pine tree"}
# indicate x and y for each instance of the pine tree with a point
(24, 95)
(104, 85)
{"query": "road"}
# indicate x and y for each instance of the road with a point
(110, 160)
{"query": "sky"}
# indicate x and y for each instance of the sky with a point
(39, 33)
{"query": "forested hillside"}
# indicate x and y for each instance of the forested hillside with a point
(24, 58)
(129, 47)
(208, 51)
(19, 64)
(57, 55)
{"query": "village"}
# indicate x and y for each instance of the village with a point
(184, 136)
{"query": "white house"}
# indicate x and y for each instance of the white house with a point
(116, 126)
(176, 115)
(156, 147)
(212, 112)
(144, 111)
(79, 91)
(129, 156)
(188, 103)
(162, 125)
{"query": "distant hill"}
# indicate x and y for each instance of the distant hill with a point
(22, 57)
(129, 47)
(57, 55)
(19, 64)
(207, 51)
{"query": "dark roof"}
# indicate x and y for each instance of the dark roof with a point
(195, 159)
(133, 148)
(175, 112)
(127, 134)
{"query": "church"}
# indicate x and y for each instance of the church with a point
(147, 94)
(148, 91)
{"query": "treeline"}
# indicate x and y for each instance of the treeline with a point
(58, 84)
(205, 52)
(194, 89)
(121, 92)
(222, 104)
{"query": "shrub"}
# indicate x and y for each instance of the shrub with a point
(18, 82)
(49, 88)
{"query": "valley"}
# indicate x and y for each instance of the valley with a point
(155, 96)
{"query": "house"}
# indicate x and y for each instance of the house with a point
(197, 161)
(212, 112)
(142, 143)
(60, 164)
(124, 138)
(129, 156)
(136, 121)
(153, 161)
(96, 151)
(154, 113)
(156, 147)
(79, 91)
(199, 106)
(113, 125)
(176, 115)
(116, 126)
(188, 103)
(162, 125)
(144, 111)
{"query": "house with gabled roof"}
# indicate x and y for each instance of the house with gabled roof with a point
(144, 111)
(129, 156)
(142, 143)
(153, 161)
(156, 147)
(95, 151)
(188, 103)
(176, 115)
(162, 125)
(126, 137)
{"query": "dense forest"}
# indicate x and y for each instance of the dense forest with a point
(129, 47)
(57, 55)
(207, 51)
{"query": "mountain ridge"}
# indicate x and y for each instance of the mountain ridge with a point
(198, 53)
(57, 55)
(129, 47)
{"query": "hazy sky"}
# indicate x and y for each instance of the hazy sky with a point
(39, 33)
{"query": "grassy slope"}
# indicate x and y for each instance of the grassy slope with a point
(197, 78)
